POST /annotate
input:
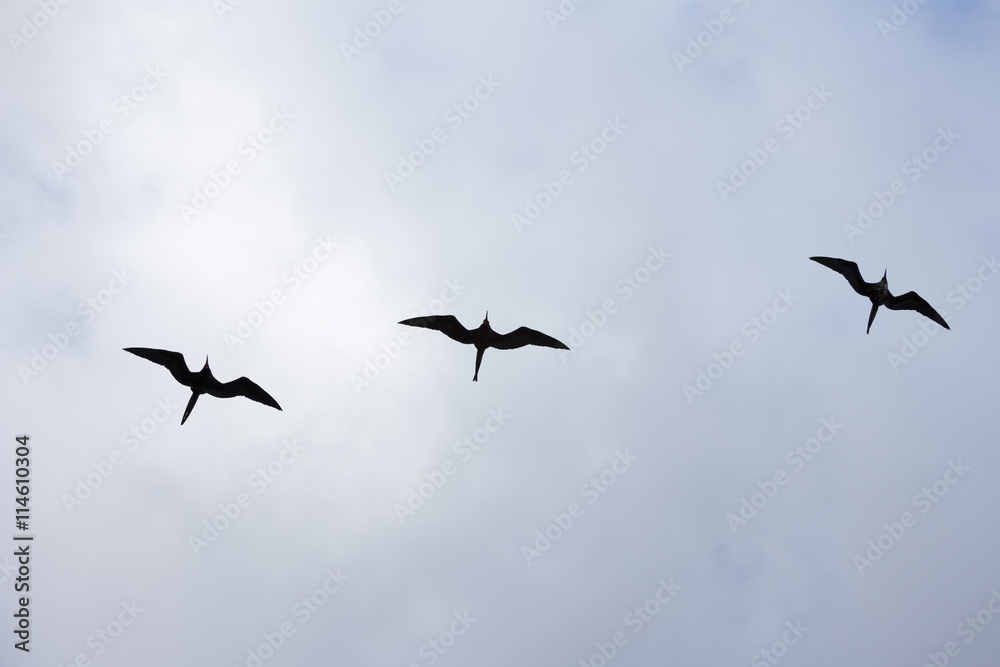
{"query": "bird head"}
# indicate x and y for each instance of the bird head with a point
(884, 274)
(487, 319)
(205, 368)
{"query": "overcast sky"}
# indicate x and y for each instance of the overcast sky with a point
(724, 470)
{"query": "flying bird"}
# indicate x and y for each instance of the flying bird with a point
(879, 292)
(202, 382)
(484, 336)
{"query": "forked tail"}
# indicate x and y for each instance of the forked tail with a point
(479, 360)
(871, 318)
(190, 406)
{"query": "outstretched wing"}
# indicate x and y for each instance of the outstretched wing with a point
(446, 324)
(525, 336)
(913, 301)
(243, 387)
(847, 269)
(172, 361)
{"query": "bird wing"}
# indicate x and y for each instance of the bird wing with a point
(525, 336)
(913, 301)
(446, 324)
(847, 269)
(172, 361)
(243, 386)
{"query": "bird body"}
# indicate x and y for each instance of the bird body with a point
(202, 382)
(879, 293)
(484, 337)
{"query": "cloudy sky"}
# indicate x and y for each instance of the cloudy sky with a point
(723, 470)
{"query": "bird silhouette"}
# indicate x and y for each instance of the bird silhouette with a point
(879, 292)
(484, 336)
(202, 382)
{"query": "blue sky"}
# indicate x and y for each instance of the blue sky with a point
(725, 469)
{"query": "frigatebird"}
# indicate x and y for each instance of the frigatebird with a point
(202, 382)
(879, 292)
(484, 336)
